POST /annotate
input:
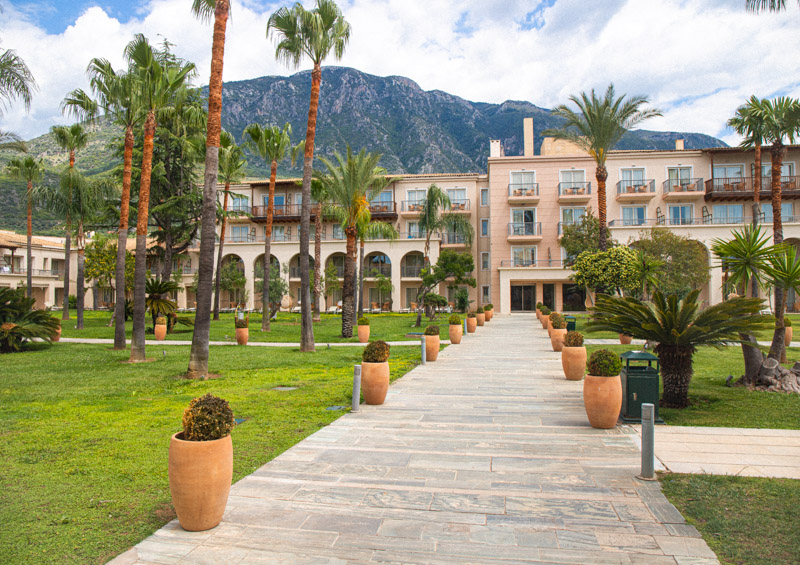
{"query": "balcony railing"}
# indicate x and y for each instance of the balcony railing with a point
(240, 208)
(574, 188)
(524, 228)
(412, 234)
(453, 239)
(411, 205)
(707, 220)
(459, 204)
(383, 208)
(372, 270)
(536, 263)
(682, 185)
(7, 270)
(294, 272)
(339, 270)
(523, 189)
(743, 186)
(411, 270)
(562, 225)
(636, 186)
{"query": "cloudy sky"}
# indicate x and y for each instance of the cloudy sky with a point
(696, 59)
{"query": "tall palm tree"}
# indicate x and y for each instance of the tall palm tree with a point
(783, 273)
(231, 169)
(314, 34)
(114, 95)
(435, 217)
(273, 145)
(158, 78)
(748, 123)
(16, 82)
(71, 139)
(351, 182)
(30, 170)
(766, 5)
(597, 127)
(198, 356)
(318, 196)
(371, 230)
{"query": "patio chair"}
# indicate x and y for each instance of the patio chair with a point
(332, 309)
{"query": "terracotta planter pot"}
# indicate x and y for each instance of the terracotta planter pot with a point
(481, 319)
(573, 361)
(489, 314)
(200, 475)
(788, 338)
(363, 334)
(160, 331)
(602, 398)
(455, 332)
(242, 335)
(539, 314)
(543, 319)
(472, 323)
(374, 381)
(432, 343)
(57, 335)
(557, 339)
(625, 339)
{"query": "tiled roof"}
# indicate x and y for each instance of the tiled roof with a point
(13, 239)
(397, 176)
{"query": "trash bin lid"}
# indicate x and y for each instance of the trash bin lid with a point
(638, 356)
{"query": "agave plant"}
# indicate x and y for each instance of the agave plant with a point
(156, 302)
(19, 322)
(679, 327)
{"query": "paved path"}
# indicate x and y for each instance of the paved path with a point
(154, 343)
(484, 456)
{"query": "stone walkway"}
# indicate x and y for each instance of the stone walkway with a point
(154, 343)
(484, 456)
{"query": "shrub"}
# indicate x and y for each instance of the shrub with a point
(432, 330)
(462, 299)
(242, 323)
(470, 314)
(73, 301)
(207, 418)
(539, 305)
(455, 320)
(545, 310)
(488, 307)
(573, 339)
(19, 322)
(376, 352)
(161, 321)
(552, 315)
(57, 322)
(787, 322)
(479, 310)
(604, 363)
(559, 322)
(363, 321)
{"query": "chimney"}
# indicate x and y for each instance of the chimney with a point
(678, 145)
(495, 148)
(527, 135)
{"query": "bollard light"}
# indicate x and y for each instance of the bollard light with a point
(356, 388)
(648, 442)
(423, 353)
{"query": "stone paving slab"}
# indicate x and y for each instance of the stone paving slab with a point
(484, 456)
(152, 343)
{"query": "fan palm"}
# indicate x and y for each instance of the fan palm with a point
(766, 5)
(20, 322)
(679, 327)
(748, 123)
(314, 34)
(30, 170)
(16, 82)
(597, 127)
(350, 183)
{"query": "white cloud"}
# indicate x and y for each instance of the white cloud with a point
(696, 60)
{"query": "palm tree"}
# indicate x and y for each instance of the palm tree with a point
(783, 273)
(648, 270)
(198, 356)
(351, 183)
(679, 327)
(16, 81)
(231, 169)
(596, 128)
(315, 34)
(71, 139)
(748, 123)
(370, 230)
(29, 170)
(271, 144)
(318, 196)
(766, 5)
(116, 98)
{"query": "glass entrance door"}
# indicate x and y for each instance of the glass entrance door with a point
(523, 298)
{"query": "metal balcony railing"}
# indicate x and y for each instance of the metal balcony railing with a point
(240, 208)
(411, 205)
(682, 185)
(524, 228)
(523, 189)
(382, 207)
(372, 270)
(574, 188)
(535, 263)
(411, 270)
(459, 204)
(636, 186)
(453, 239)
(562, 225)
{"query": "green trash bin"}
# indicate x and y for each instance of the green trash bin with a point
(639, 378)
(572, 321)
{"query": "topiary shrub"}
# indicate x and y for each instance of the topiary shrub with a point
(207, 418)
(455, 320)
(545, 310)
(559, 322)
(243, 323)
(539, 305)
(488, 307)
(376, 352)
(552, 315)
(604, 363)
(470, 314)
(573, 339)
(161, 321)
(363, 321)
(432, 330)
(479, 310)
(787, 322)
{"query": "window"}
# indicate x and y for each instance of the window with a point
(728, 171)
(240, 203)
(571, 216)
(631, 178)
(787, 170)
(485, 294)
(634, 215)
(681, 214)
(457, 194)
(414, 231)
(279, 233)
(728, 213)
(484, 227)
(278, 199)
(484, 197)
(572, 179)
(384, 197)
(679, 176)
(416, 195)
(239, 233)
(786, 212)
(298, 198)
(484, 261)
(411, 296)
(523, 179)
(523, 256)
(338, 233)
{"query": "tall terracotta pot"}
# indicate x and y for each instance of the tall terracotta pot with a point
(489, 315)
(242, 335)
(363, 334)
(788, 338)
(57, 334)
(602, 399)
(573, 361)
(200, 475)
(374, 381)
(538, 314)
(625, 339)
(543, 319)
(455, 331)
(160, 331)
(472, 323)
(432, 343)
(557, 338)
(481, 318)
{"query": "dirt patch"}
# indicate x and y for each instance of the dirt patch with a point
(165, 513)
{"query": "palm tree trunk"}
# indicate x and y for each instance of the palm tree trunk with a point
(317, 261)
(778, 348)
(219, 252)
(198, 356)
(166, 268)
(81, 291)
(266, 306)
(29, 244)
(122, 241)
(349, 283)
(360, 299)
(676, 372)
(67, 248)
(140, 266)
(601, 174)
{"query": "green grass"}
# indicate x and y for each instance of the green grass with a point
(745, 520)
(85, 436)
(389, 327)
(714, 404)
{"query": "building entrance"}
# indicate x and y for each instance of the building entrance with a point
(523, 298)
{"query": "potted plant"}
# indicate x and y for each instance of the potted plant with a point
(488, 310)
(602, 389)
(787, 323)
(160, 329)
(480, 315)
(201, 463)
(539, 310)
(544, 317)
(455, 330)
(242, 329)
(57, 332)
(472, 322)
(558, 332)
(375, 372)
(432, 342)
(573, 356)
(363, 329)
(625, 339)
(550, 318)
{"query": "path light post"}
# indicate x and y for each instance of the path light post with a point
(648, 441)
(356, 389)
(465, 327)
(423, 353)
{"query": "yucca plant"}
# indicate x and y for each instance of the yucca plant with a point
(19, 322)
(679, 327)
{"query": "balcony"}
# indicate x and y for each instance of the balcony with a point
(533, 264)
(562, 225)
(370, 271)
(523, 193)
(519, 232)
(636, 190)
(8, 270)
(240, 209)
(410, 208)
(280, 213)
(451, 240)
(741, 188)
(383, 210)
(682, 190)
(574, 192)
(412, 234)
(459, 206)
(411, 271)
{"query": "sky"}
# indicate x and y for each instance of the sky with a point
(696, 60)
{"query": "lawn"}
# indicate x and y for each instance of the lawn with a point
(85, 436)
(714, 404)
(745, 520)
(389, 327)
